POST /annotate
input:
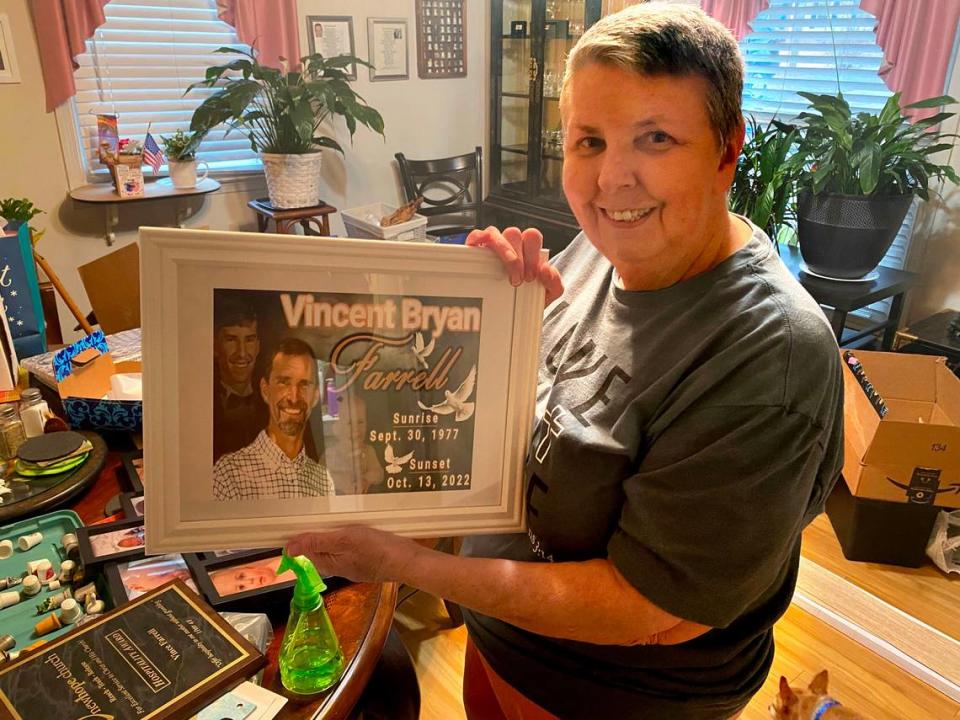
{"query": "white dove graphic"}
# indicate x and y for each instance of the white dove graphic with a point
(456, 402)
(395, 464)
(420, 351)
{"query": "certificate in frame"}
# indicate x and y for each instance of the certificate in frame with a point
(389, 48)
(411, 411)
(332, 35)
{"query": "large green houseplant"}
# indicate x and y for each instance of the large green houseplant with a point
(281, 114)
(860, 173)
(764, 184)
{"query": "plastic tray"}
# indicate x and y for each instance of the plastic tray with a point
(18, 620)
(364, 222)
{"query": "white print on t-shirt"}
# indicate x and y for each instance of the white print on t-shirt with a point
(551, 428)
(537, 547)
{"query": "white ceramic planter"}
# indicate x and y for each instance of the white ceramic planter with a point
(293, 181)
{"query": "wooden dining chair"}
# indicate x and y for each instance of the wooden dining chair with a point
(452, 190)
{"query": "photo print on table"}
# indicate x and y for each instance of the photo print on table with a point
(132, 504)
(235, 582)
(130, 580)
(111, 541)
(133, 466)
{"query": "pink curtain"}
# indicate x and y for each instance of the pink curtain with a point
(272, 28)
(917, 40)
(735, 14)
(63, 27)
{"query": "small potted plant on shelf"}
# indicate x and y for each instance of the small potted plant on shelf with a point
(181, 151)
(860, 174)
(764, 184)
(281, 113)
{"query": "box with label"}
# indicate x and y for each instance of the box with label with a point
(912, 454)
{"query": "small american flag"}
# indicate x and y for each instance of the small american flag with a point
(152, 154)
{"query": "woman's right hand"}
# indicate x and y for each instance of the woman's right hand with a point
(520, 254)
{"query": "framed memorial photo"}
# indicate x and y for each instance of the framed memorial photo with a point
(299, 383)
(389, 48)
(332, 35)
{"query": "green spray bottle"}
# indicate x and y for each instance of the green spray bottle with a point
(310, 656)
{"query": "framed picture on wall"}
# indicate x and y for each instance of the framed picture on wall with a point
(331, 36)
(9, 71)
(302, 383)
(389, 48)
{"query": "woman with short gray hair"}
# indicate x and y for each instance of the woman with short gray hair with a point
(689, 413)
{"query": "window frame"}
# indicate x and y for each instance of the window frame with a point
(79, 172)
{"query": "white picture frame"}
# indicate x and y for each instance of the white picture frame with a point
(185, 274)
(388, 45)
(331, 36)
(9, 70)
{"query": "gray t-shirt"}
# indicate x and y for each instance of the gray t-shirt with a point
(687, 434)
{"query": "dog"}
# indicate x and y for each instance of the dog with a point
(811, 704)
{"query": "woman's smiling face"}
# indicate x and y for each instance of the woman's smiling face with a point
(643, 170)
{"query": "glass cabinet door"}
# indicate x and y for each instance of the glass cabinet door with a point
(531, 41)
(515, 83)
(564, 23)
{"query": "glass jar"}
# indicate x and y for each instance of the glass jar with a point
(11, 431)
(33, 412)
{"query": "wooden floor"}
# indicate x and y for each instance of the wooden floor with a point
(805, 645)
(925, 593)
(859, 678)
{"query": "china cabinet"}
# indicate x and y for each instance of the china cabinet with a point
(530, 41)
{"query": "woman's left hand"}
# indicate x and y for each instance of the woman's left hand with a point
(358, 553)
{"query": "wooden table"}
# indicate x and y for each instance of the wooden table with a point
(286, 219)
(104, 194)
(362, 614)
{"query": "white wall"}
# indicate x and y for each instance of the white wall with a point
(424, 118)
(937, 238)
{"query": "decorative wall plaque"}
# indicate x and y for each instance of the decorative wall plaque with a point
(441, 38)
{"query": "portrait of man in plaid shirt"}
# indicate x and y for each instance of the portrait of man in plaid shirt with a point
(276, 465)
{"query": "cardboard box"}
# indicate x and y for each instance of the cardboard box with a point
(83, 372)
(112, 283)
(912, 455)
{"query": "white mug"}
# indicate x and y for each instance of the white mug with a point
(183, 173)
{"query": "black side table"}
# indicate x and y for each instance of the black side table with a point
(931, 336)
(844, 297)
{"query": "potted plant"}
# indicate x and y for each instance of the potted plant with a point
(860, 174)
(181, 151)
(281, 113)
(17, 211)
(764, 184)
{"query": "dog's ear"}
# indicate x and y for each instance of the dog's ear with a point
(786, 694)
(818, 685)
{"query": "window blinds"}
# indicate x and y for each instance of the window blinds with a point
(808, 45)
(138, 65)
(812, 45)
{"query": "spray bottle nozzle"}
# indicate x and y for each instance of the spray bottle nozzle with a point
(306, 594)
